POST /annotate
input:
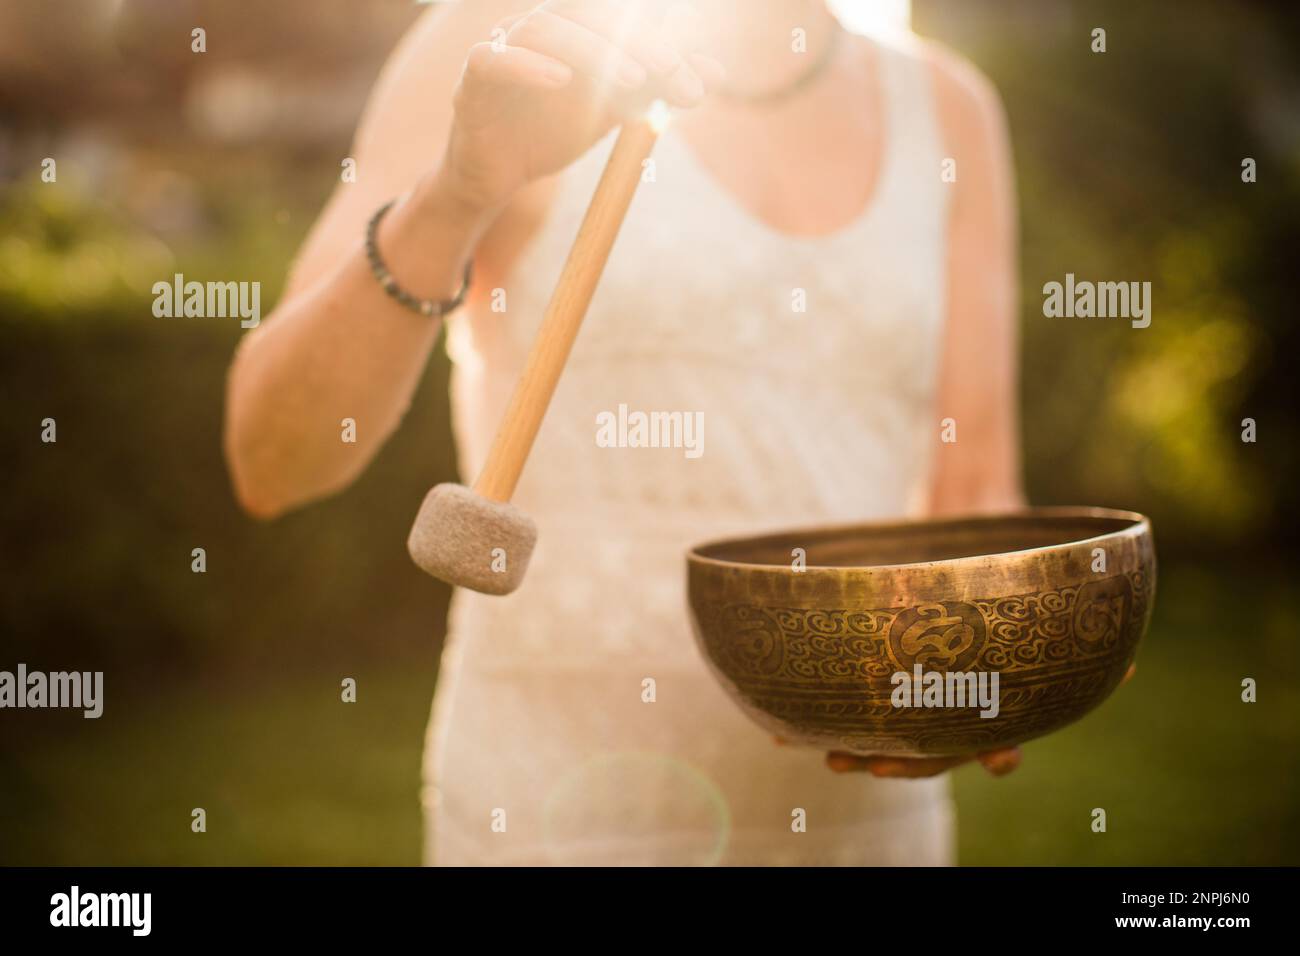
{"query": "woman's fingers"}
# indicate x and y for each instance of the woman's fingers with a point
(681, 29)
(899, 767)
(614, 45)
(493, 63)
(710, 71)
(1000, 762)
(664, 44)
(589, 53)
(627, 26)
(996, 762)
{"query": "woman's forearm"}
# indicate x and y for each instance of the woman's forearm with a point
(503, 115)
(340, 349)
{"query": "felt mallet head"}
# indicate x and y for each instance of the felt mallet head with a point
(470, 541)
(476, 539)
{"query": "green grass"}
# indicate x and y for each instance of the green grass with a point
(288, 774)
(1186, 772)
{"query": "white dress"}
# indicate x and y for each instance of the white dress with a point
(543, 747)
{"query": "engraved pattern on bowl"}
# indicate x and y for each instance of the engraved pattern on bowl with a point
(810, 654)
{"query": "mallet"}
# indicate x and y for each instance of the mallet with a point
(476, 538)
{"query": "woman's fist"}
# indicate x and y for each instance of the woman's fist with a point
(551, 82)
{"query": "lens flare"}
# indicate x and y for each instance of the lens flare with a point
(659, 116)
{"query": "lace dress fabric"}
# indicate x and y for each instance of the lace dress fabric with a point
(542, 748)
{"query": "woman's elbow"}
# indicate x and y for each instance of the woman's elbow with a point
(252, 477)
(254, 493)
(257, 503)
(271, 476)
(275, 462)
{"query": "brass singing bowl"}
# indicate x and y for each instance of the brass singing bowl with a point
(1052, 600)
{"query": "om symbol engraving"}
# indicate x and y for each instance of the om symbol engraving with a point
(755, 639)
(937, 636)
(1100, 611)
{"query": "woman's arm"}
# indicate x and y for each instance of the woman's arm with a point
(336, 346)
(480, 105)
(978, 380)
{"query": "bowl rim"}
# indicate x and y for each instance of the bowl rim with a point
(1139, 525)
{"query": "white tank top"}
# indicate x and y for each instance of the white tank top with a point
(575, 721)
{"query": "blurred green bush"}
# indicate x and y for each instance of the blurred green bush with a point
(99, 526)
(1129, 168)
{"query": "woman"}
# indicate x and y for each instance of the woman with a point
(821, 265)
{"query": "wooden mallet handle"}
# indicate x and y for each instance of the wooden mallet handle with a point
(564, 313)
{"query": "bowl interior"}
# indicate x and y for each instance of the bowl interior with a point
(921, 541)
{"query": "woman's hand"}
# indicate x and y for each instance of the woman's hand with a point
(996, 762)
(553, 81)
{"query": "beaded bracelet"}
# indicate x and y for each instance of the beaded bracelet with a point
(429, 307)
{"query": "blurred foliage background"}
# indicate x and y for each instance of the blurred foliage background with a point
(223, 687)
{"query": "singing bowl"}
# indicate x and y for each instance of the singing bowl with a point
(1052, 600)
